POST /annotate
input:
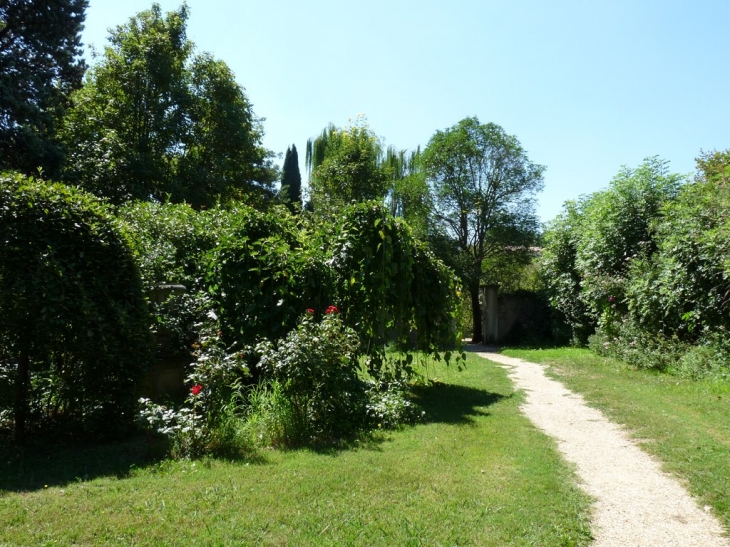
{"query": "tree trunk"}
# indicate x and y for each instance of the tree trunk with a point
(21, 396)
(476, 311)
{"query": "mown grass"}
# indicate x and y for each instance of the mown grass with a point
(685, 423)
(475, 473)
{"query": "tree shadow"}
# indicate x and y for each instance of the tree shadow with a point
(47, 464)
(454, 404)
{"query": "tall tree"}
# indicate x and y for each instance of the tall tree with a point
(483, 186)
(409, 197)
(155, 121)
(40, 64)
(345, 166)
(291, 178)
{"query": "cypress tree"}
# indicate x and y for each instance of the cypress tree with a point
(291, 178)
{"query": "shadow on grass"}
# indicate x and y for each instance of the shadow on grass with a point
(37, 465)
(454, 404)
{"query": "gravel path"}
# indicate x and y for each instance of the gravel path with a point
(636, 503)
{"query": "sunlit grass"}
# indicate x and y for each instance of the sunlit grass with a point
(475, 473)
(685, 423)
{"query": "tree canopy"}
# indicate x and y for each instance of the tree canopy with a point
(40, 64)
(154, 120)
(483, 189)
(345, 166)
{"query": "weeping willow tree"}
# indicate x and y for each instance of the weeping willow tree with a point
(408, 197)
(345, 166)
(351, 165)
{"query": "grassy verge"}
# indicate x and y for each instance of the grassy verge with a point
(685, 423)
(475, 473)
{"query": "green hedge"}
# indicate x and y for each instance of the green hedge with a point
(74, 329)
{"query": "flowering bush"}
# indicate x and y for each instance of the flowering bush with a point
(317, 366)
(209, 421)
(388, 405)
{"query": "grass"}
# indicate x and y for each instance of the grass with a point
(685, 423)
(475, 473)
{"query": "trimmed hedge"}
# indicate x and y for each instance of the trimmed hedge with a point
(74, 328)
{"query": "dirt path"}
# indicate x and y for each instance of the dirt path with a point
(636, 503)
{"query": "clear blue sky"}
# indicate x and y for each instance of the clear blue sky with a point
(586, 86)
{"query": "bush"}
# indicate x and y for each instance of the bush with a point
(317, 366)
(390, 287)
(74, 329)
(591, 246)
(211, 419)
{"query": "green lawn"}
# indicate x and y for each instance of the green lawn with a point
(476, 473)
(685, 423)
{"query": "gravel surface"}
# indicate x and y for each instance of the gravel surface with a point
(636, 503)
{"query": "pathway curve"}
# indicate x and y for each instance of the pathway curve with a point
(636, 504)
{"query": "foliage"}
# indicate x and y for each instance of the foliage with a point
(345, 167)
(684, 288)
(72, 315)
(270, 419)
(409, 197)
(251, 275)
(210, 420)
(291, 179)
(616, 228)
(560, 274)
(390, 405)
(483, 186)
(170, 243)
(317, 366)
(263, 273)
(596, 245)
(40, 64)
(154, 121)
(170, 240)
(257, 272)
(390, 287)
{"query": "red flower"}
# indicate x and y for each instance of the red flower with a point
(611, 299)
(331, 309)
(310, 311)
(197, 388)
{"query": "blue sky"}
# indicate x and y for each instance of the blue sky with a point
(586, 86)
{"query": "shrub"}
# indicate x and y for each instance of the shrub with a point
(389, 405)
(211, 419)
(73, 324)
(263, 273)
(391, 288)
(317, 366)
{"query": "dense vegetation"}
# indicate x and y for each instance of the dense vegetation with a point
(641, 269)
(73, 322)
(303, 312)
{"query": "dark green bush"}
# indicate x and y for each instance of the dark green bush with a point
(389, 286)
(683, 289)
(263, 274)
(590, 248)
(73, 321)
